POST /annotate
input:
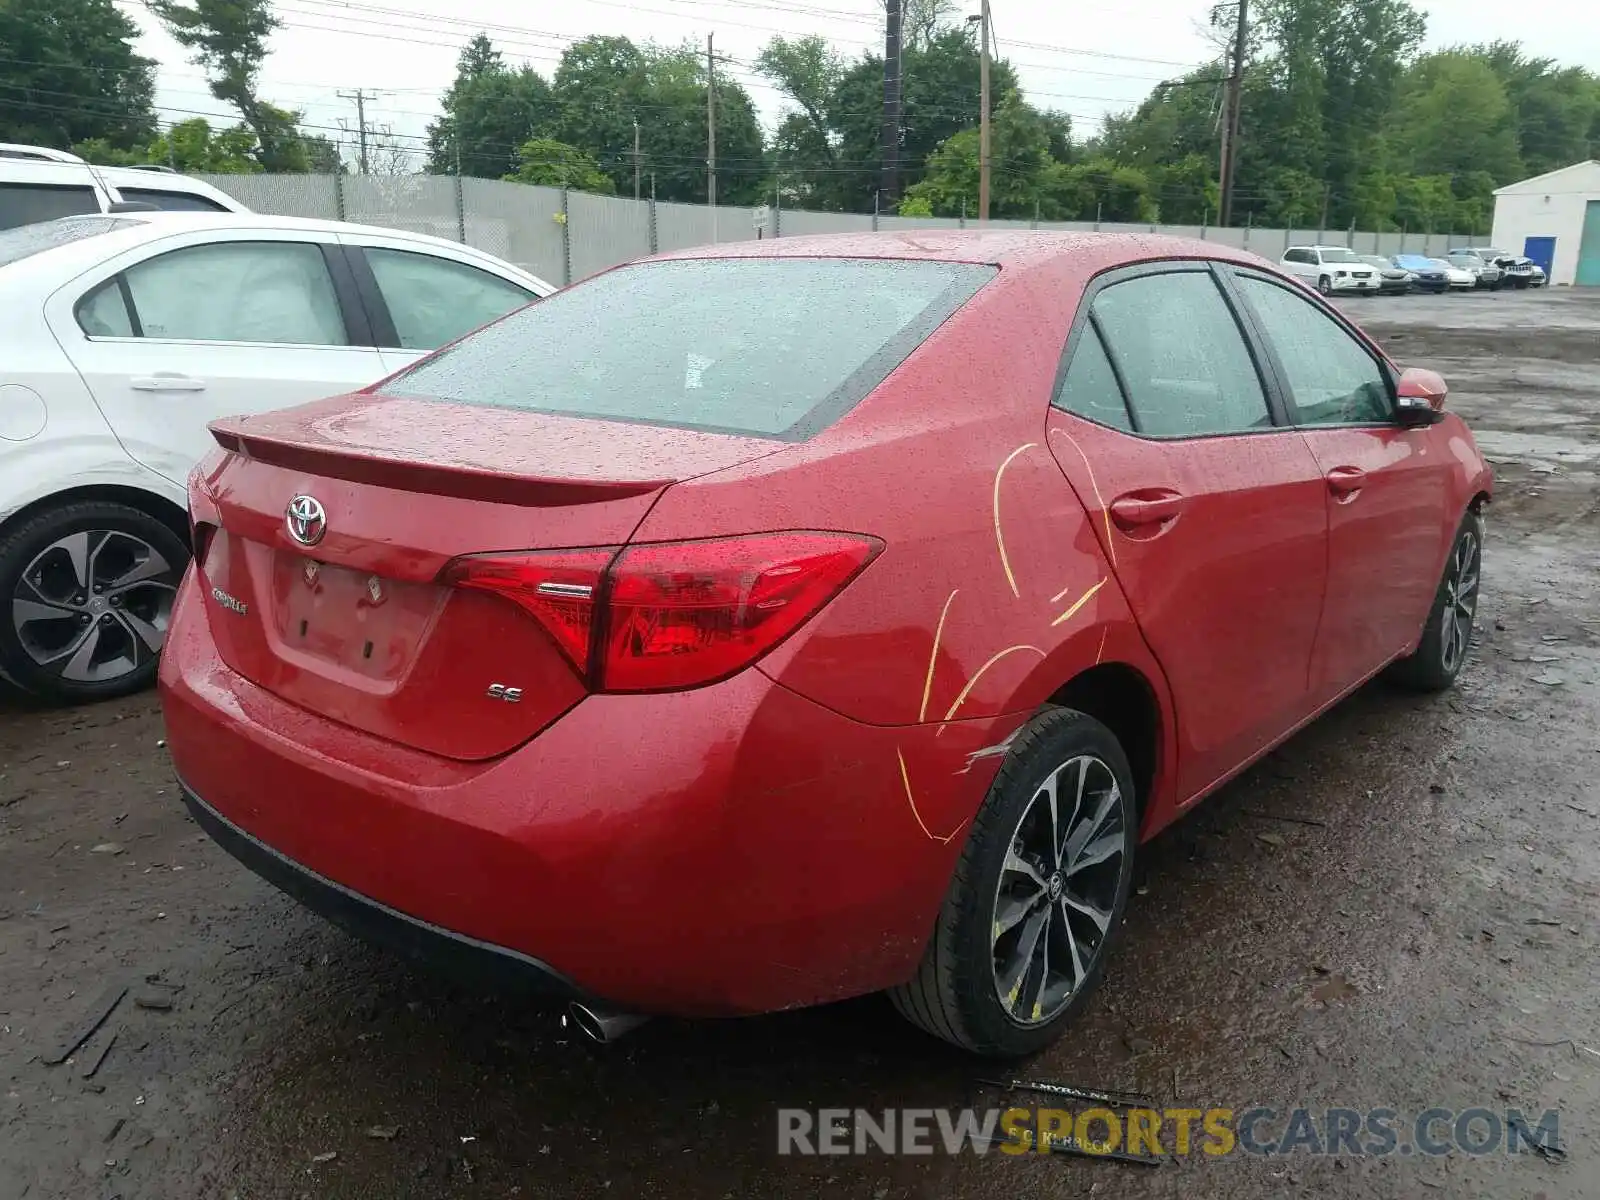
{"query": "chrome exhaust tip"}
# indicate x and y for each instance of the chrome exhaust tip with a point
(601, 1024)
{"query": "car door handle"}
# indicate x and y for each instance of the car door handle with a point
(1346, 481)
(1152, 508)
(167, 381)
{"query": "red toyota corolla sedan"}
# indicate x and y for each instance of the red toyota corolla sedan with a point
(762, 625)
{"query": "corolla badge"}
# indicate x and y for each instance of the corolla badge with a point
(306, 520)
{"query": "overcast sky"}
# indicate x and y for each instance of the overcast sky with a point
(1087, 57)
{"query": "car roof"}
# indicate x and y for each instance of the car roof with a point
(148, 226)
(22, 152)
(998, 247)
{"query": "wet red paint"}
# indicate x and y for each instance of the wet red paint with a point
(784, 835)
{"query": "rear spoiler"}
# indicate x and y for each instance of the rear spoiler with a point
(439, 479)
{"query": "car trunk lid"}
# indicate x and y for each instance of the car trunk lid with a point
(350, 620)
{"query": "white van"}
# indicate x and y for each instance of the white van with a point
(40, 184)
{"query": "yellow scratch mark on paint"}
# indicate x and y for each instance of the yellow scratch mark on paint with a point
(1101, 653)
(1105, 513)
(905, 778)
(1056, 599)
(933, 656)
(973, 682)
(999, 537)
(1077, 604)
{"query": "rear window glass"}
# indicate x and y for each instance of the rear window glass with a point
(170, 201)
(25, 203)
(18, 244)
(773, 347)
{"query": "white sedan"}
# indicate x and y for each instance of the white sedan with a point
(124, 335)
(1460, 279)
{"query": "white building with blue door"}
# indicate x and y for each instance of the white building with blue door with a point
(1554, 219)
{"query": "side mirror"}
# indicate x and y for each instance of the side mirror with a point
(1419, 400)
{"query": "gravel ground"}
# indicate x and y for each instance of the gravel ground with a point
(1422, 933)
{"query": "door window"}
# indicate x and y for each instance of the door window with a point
(1181, 356)
(434, 300)
(1090, 388)
(25, 203)
(277, 292)
(1331, 376)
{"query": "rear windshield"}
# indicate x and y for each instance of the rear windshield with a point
(170, 201)
(26, 240)
(773, 347)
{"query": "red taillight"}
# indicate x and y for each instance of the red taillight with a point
(558, 588)
(673, 614)
(679, 614)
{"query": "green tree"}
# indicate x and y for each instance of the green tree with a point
(556, 164)
(1556, 111)
(490, 111)
(1454, 115)
(1020, 167)
(606, 84)
(70, 75)
(228, 38)
(190, 146)
(804, 146)
(833, 150)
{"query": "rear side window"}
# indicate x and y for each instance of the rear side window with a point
(435, 300)
(25, 203)
(1181, 355)
(171, 201)
(1090, 388)
(104, 312)
(773, 347)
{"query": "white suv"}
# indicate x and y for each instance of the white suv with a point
(1331, 269)
(39, 184)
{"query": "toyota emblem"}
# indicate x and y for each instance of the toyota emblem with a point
(306, 520)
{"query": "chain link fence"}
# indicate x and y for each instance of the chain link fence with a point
(563, 236)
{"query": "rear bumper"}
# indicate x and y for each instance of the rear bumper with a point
(439, 949)
(732, 849)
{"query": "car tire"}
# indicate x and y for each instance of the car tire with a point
(1325, 285)
(1446, 638)
(104, 642)
(960, 992)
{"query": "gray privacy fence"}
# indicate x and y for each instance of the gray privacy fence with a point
(564, 236)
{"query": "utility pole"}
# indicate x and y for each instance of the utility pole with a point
(636, 160)
(892, 90)
(983, 117)
(711, 126)
(360, 96)
(1230, 137)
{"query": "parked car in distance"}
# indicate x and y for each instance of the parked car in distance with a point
(1428, 274)
(1459, 278)
(1330, 269)
(39, 184)
(1489, 254)
(649, 662)
(1521, 272)
(124, 335)
(1392, 280)
(1485, 274)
